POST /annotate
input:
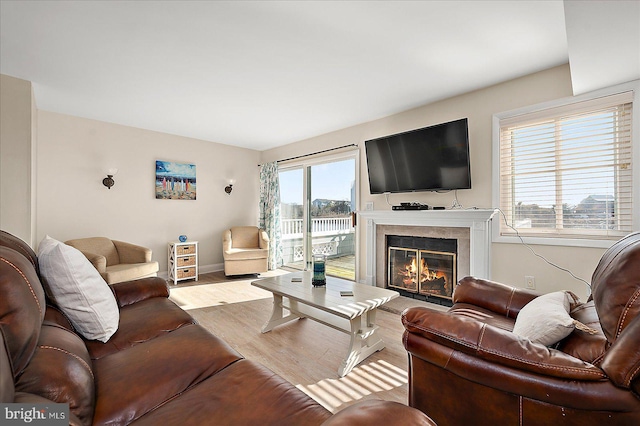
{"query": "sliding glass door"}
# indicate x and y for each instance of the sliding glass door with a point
(292, 217)
(317, 201)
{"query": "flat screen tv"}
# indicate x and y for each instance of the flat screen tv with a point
(434, 158)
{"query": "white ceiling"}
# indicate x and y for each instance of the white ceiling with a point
(260, 74)
(604, 43)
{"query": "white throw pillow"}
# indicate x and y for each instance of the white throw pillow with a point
(78, 289)
(546, 318)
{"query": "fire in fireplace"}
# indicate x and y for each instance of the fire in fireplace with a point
(421, 271)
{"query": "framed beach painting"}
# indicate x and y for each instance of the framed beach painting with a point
(175, 181)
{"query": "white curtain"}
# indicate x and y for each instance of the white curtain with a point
(270, 211)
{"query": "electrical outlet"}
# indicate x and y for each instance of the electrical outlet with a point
(530, 282)
(369, 206)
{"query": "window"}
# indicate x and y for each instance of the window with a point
(566, 171)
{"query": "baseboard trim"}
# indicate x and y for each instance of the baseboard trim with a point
(204, 269)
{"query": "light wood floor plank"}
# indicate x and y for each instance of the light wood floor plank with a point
(303, 352)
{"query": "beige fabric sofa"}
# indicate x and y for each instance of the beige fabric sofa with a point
(245, 250)
(117, 261)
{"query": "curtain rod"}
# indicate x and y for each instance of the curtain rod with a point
(315, 153)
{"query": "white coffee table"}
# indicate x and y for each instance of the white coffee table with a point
(354, 315)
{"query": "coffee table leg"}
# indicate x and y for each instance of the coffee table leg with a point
(364, 342)
(277, 317)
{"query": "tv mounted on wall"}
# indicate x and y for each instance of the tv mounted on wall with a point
(434, 158)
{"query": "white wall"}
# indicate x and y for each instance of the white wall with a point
(510, 262)
(17, 142)
(73, 155)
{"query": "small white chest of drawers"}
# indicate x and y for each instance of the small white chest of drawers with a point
(183, 261)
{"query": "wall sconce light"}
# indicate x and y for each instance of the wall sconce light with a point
(108, 181)
(229, 187)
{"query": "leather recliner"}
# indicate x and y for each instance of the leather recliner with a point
(467, 367)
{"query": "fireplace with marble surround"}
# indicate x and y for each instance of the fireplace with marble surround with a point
(452, 244)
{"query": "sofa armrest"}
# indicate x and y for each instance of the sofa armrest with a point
(130, 292)
(264, 239)
(226, 241)
(131, 253)
(98, 261)
(492, 344)
(496, 297)
(379, 412)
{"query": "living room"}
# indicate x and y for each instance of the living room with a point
(53, 164)
(74, 153)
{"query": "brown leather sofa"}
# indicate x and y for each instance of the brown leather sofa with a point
(467, 367)
(160, 367)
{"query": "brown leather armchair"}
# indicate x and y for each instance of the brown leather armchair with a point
(467, 367)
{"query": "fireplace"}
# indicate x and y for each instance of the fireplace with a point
(421, 271)
(470, 228)
(421, 265)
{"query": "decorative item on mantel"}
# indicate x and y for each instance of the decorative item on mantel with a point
(319, 267)
(182, 238)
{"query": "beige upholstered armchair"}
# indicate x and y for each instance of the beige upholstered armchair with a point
(117, 261)
(245, 250)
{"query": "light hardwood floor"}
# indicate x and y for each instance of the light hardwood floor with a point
(304, 352)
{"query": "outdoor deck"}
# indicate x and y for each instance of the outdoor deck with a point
(341, 267)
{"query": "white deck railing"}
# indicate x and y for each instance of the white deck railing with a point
(319, 226)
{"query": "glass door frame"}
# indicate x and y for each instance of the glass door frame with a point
(305, 164)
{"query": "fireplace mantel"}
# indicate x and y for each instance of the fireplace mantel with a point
(478, 221)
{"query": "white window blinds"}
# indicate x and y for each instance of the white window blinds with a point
(567, 171)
